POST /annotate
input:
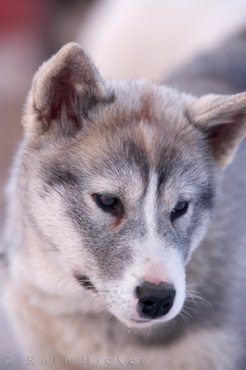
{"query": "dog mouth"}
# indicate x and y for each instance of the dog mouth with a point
(139, 320)
(139, 323)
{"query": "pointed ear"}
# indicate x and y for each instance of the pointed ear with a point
(64, 90)
(223, 120)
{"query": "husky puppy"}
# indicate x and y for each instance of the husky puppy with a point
(125, 236)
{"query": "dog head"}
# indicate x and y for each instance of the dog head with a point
(120, 179)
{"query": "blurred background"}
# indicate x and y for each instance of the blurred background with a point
(144, 39)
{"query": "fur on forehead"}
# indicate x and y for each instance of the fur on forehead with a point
(138, 101)
(150, 115)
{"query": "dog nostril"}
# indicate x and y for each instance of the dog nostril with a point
(166, 305)
(149, 303)
(148, 307)
(154, 300)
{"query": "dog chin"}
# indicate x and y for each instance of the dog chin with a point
(141, 323)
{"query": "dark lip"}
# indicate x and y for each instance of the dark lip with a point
(140, 321)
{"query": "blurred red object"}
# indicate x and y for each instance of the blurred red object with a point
(24, 16)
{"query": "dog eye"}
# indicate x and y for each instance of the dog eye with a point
(108, 203)
(180, 209)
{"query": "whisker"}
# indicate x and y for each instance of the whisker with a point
(196, 298)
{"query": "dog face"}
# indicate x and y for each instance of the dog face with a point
(120, 179)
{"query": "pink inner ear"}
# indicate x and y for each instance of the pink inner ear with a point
(63, 106)
(225, 138)
(65, 89)
(68, 101)
(65, 99)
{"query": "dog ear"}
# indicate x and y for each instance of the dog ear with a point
(223, 120)
(64, 90)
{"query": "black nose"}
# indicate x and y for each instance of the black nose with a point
(154, 300)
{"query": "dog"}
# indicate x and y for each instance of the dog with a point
(125, 235)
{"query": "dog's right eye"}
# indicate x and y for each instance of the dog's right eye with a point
(109, 203)
(179, 210)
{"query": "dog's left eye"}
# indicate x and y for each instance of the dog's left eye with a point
(180, 209)
(108, 203)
